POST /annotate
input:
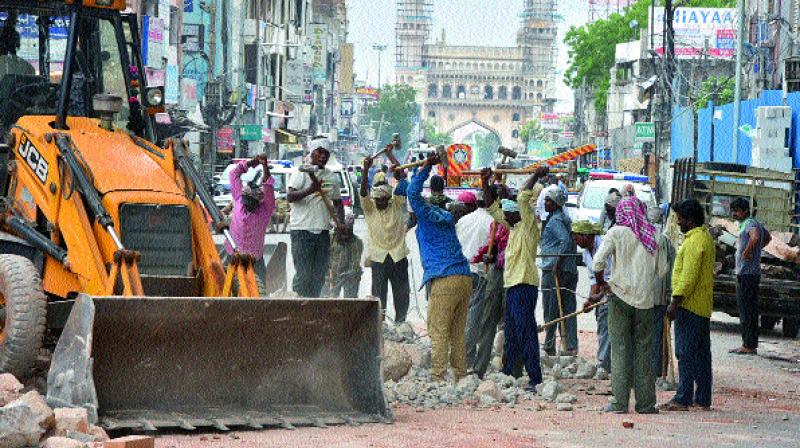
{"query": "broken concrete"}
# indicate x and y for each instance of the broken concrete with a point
(10, 388)
(550, 390)
(396, 361)
(43, 415)
(489, 388)
(564, 407)
(18, 426)
(71, 420)
(63, 442)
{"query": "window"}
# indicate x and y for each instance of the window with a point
(433, 91)
(461, 92)
(539, 84)
(516, 93)
(488, 93)
(515, 133)
(447, 91)
(474, 91)
(539, 96)
(502, 93)
(431, 114)
(515, 117)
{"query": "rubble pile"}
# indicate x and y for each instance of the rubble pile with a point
(406, 373)
(26, 420)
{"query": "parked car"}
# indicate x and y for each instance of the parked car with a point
(281, 170)
(592, 199)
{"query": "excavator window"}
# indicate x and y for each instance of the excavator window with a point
(33, 47)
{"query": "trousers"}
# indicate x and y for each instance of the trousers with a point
(474, 312)
(631, 331)
(447, 319)
(603, 342)
(396, 273)
(747, 301)
(521, 336)
(568, 282)
(311, 253)
(693, 348)
(490, 316)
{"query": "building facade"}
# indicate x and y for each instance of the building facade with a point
(469, 90)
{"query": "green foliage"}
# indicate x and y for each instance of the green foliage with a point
(484, 149)
(532, 130)
(397, 107)
(592, 46)
(718, 90)
(433, 137)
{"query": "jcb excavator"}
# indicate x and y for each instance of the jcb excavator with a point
(104, 242)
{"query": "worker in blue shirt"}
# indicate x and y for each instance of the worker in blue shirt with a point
(447, 271)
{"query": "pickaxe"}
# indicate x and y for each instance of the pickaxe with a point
(312, 171)
(440, 151)
(394, 145)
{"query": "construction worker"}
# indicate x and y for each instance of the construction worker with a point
(753, 237)
(555, 244)
(521, 278)
(345, 265)
(632, 243)
(310, 221)
(252, 208)
(587, 237)
(472, 231)
(691, 306)
(387, 253)
(447, 272)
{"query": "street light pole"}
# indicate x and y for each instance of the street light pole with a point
(379, 48)
(737, 93)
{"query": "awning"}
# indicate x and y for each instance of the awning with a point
(286, 137)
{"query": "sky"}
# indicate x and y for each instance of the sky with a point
(466, 22)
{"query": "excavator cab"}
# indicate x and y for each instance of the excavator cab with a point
(104, 238)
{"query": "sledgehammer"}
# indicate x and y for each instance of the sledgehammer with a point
(542, 327)
(312, 171)
(441, 152)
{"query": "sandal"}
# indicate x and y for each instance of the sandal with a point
(673, 406)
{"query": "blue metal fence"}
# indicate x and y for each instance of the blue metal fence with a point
(719, 120)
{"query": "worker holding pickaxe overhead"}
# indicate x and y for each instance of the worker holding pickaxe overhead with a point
(521, 278)
(315, 198)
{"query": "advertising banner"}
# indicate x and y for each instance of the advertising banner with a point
(699, 32)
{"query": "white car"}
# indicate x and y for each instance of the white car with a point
(281, 171)
(592, 200)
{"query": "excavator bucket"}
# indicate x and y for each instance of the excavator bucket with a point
(149, 363)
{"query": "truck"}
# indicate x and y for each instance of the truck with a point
(773, 199)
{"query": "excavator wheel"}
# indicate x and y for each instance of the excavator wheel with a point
(24, 307)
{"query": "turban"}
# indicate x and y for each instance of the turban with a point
(509, 206)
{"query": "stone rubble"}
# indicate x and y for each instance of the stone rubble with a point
(10, 389)
(29, 421)
(412, 386)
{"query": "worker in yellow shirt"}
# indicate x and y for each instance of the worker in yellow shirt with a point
(692, 302)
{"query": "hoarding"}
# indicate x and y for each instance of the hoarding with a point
(318, 42)
(699, 32)
(346, 69)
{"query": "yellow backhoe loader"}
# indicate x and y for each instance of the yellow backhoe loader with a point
(104, 242)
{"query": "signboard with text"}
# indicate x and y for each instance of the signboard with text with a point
(318, 41)
(645, 132)
(699, 32)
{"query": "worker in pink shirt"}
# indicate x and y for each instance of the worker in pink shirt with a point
(253, 204)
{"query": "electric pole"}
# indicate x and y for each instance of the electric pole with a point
(379, 48)
(737, 93)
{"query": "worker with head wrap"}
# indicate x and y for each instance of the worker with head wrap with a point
(559, 271)
(588, 236)
(344, 273)
(521, 278)
(633, 245)
(472, 230)
(385, 215)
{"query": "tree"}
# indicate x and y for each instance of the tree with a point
(433, 137)
(718, 90)
(532, 130)
(484, 149)
(397, 108)
(592, 46)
